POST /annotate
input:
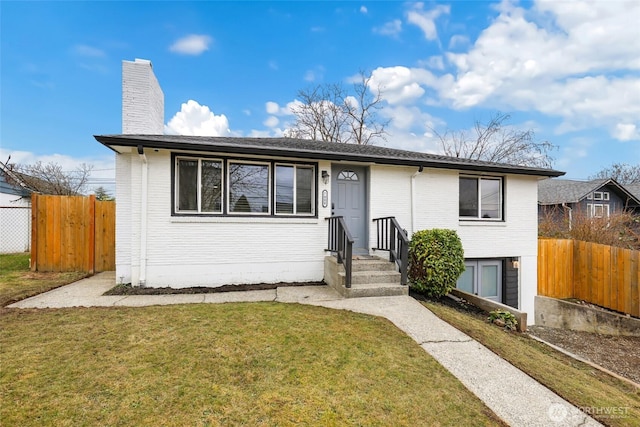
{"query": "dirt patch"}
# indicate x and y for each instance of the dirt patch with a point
(618, 354)
(130, 290)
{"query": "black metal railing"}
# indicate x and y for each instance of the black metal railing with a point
(392, 238)
(341, 243)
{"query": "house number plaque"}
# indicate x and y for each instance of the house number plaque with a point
(325, 198)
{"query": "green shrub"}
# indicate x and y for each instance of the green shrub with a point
(503, 319)
(436, 260)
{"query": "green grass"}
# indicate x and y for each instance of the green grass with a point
(263, 364)
(577, 382)
(18, 282)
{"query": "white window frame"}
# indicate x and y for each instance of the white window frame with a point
(598, 195)
(295, 189)
(479, 178)
(228, 187)
(591, 208)
(198, 185)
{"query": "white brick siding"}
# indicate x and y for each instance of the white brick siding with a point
(142, 99)
(437, 206)
(187, 251)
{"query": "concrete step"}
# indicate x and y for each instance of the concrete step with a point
(374, 290)
(375, 264)
(363, 277)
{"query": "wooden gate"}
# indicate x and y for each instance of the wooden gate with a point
(72, 233)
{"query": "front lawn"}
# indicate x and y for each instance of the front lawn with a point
(17, 282)
(584, 386)
(268, 364)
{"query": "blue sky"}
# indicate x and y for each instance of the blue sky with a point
(568, 70)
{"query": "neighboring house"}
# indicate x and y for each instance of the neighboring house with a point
(13, 191)
(15, 212)
(212, 211)
(634, 189)
(597, 198)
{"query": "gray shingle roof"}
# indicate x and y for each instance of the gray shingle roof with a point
(308, 149)
(634, 189)
(557, 191)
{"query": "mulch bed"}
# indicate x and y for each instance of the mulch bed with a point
(130, 290)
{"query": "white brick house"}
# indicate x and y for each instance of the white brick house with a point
(212, 211)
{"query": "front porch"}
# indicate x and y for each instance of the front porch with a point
(370, 277)
(356, 275)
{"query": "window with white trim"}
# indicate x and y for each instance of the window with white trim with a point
(198, 185)
(598, 210)
(480, 198)
(294, 192)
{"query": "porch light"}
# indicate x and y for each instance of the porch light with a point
(325, 177)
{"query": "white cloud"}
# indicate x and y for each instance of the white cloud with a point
(391, 28)
(626, 132)
(425, 19)
(458, 41)
(401, 84)
(435, 62)
(272, 107)
(89, 51)
(271, 122)
(577, 61)
(196, 119)
(364, 10)
(193, 44)
(309, 76)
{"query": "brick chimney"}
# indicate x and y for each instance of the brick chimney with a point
(142, 99)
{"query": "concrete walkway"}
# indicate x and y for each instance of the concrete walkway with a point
(510, 393)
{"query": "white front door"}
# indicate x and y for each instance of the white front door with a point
(482, 278)
(348, 199)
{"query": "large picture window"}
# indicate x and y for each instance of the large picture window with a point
(480, 198)
(199, 185)
(243, 187)
(248, 188)
(295, 189)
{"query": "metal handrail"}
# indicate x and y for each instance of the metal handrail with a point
(340, 242)
(391, 237)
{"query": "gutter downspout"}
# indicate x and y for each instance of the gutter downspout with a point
(142, 280)
(564, 205)
(413, 198)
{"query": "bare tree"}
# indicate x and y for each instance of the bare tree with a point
(496, 141)
(329, 112)
(49, 178)
(624, 173)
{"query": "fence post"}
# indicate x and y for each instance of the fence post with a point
(92, 235)
(33, 264)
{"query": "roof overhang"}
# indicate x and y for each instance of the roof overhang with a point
(277, 148)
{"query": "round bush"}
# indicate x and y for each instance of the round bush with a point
(436, 260)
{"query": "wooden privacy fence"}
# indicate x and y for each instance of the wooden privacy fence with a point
(603, 275)
(72, 233)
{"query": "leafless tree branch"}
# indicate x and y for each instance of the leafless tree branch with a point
(496, 141)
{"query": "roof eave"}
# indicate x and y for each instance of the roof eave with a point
(109, 141)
